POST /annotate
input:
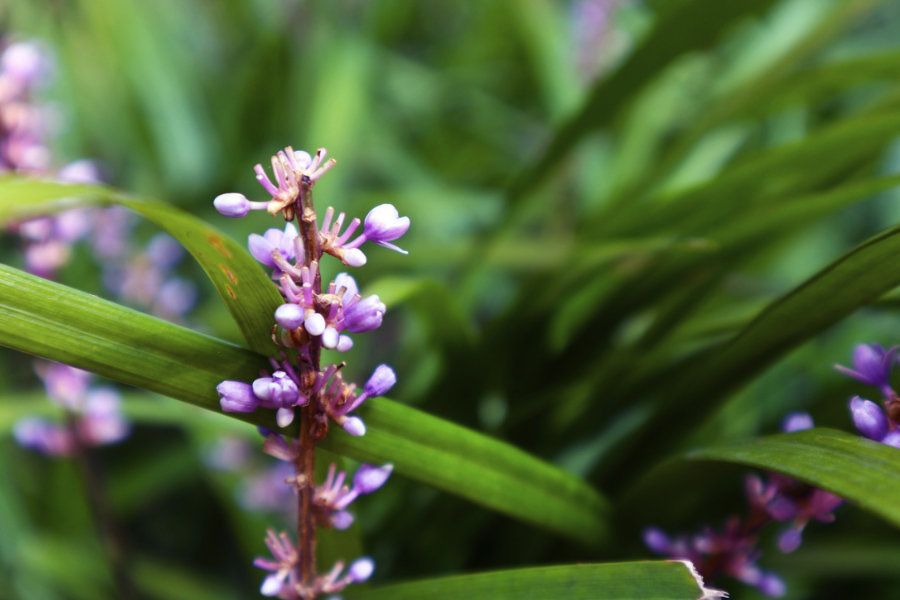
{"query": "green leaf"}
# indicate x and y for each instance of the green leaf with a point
(857, 278)
(243, 285)
(62, 324)
(476, 467)
(681, 27)
(613, 581)
(854, 468)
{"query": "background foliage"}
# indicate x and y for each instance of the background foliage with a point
(613, 260)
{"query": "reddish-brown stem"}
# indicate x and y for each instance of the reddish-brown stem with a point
(312, 424)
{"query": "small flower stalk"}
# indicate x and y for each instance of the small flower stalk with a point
(733, 550)
(313, 316)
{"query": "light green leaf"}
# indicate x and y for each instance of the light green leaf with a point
(614, 581)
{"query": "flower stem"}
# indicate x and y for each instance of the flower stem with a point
(113, 541)
(313, 425)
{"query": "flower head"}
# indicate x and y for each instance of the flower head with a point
(872, 365)
(383, 225)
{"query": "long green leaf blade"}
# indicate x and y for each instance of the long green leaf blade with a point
(854, 468)
(248, 293)
(857, 278)
(682, 27)
(615, 581)
(44, 318)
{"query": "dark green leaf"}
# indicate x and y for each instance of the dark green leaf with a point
(615, 581)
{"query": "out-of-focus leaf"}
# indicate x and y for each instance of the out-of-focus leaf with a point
(614, 581)
(681, 27)
(854, 468)
(762, 179)
(855, 279)
(248, 293)
(55, 322)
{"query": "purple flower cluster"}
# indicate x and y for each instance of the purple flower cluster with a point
(382, 225)
(95, 416)
(283, 582)
(24, 125)
(280, 391)
(311, 318)
(872, 365)
(733, 551)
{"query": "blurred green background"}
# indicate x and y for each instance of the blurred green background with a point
(518, 262)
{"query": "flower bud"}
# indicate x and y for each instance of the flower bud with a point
(790, 540)
(382, 380)
(361, 570)
(342, 520)
(277, 391)
(797, 422)
(892, 439)
(237, 396)
(868, 418)
(384, 224)
(232, 205)
(354, 257)
(369, 478)
(345, 343)
(330, 338)
(343, 280)
(284, 416)
(365, 315)
(657, 540)
(315, 324)
(289, 316)
(354, 426)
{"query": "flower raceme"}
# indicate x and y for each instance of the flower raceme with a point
(309, 319)
(96, 418)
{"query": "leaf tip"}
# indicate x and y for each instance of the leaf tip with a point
(705, 592)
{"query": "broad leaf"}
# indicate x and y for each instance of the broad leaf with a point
(614, 581)
(56, 322)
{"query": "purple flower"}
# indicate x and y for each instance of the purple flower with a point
(175, 297)
(101, 421)
(65, 385)
(354, 426)
(381, 381)
(869, 419)
(262, 247)
(872, 364)
(383, 224)
(361, 570)
(797, 422)
(365, 315)
(282, 568)
(277, 391)
(289, 316)
(342, 520)
(45, 437)
(237, 396)
(348, 284)
(80, 171)
(234, 205)
(369, 478)
(25, 62)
